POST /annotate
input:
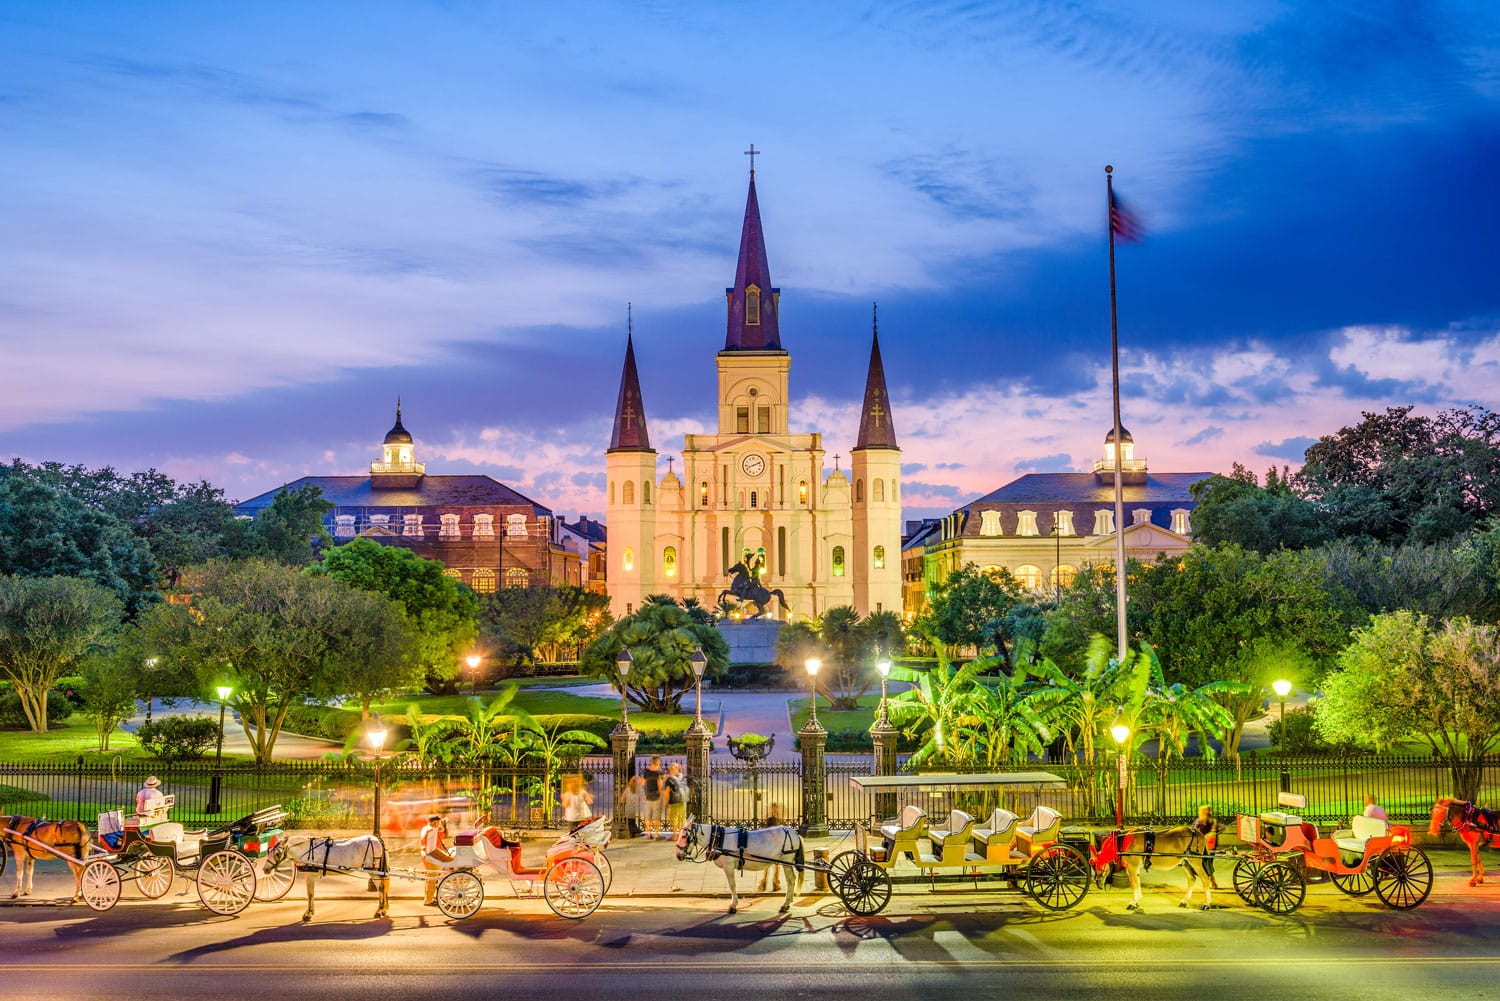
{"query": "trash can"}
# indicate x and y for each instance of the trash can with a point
(820, 869)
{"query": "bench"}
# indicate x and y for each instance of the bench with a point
(1040, 829)
(992, 841)
(1362, 829)
(950, 844)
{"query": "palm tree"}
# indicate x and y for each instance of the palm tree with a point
(555, 746)
(1173, 714)
(939, 698)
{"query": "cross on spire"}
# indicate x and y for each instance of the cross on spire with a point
(835, 462)
(752, 153)
(669, 465)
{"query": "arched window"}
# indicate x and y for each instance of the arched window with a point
(703, 494)
(482, 581)
(455, 574)
(627, 492)
(516, 577)
(611, 491)
(627, 559)
(877, 490)
(859, 491)
(1062, 576)
(754, 498)
(895, 490)
(879, 558)
(515, 526)
(752, 306)
(838, 561)
(802, 492)
(645, 491)
(669, 561)
(1028, 576)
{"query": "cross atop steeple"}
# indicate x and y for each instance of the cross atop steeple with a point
(752, 153)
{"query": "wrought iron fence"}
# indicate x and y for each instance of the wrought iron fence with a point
(743, 792)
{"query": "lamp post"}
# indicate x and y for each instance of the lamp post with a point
(1283, 688)
(622, 748)
(375, 737)
(216, 781)
(622, 664)
(1121, 733)
(473, 660)
(700, 664)
(883, 665)
(151, 663)
(813, 664)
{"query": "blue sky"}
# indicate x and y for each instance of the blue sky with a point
(230, 235)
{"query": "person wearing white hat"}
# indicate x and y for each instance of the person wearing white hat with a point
(150, 804)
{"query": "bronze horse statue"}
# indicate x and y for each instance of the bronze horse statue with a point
(745, 587)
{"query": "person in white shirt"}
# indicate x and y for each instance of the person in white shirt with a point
(150, 804)
(434, 852)
(1374, 809)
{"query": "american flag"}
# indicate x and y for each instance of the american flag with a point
(1123, 221)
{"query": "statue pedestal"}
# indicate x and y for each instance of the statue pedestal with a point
(751, 642)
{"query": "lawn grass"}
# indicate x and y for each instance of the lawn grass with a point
(75, 738)
(844, 719)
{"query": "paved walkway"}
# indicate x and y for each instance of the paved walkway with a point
(289, 746)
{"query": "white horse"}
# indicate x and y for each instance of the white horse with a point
(735, 849)
(362, 856)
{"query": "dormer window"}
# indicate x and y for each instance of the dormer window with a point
(1181, 524)
(448, 527)
(1104, 522)
(752, 306)
(1140, 516)
(989, 524)
(515, 524)
(1062, 523)
(1026, 524)
(484, 526)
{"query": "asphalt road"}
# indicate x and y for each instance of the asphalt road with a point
(955, 944)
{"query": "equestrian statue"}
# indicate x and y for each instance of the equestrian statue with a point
(745, 585)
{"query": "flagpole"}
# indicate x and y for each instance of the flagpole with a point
(1114, 349)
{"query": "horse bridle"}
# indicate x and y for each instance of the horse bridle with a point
(691, 850)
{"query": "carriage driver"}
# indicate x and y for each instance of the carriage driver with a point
(434, 852)
(150, 804)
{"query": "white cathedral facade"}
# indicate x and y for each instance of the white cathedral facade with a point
(828, 538)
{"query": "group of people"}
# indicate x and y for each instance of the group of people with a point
(655, 800)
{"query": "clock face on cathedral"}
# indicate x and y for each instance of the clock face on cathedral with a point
(752, 465)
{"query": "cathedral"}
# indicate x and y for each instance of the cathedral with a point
(754, 491)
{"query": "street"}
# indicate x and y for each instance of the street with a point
(952, 944)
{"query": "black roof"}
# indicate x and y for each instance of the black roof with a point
(430, 491)
(1086, 488)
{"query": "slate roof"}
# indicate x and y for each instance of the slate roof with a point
(754, 268)
(876, 427)
(1082, 494)
(431, 491)
(629, 434)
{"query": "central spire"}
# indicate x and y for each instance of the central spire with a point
(753, 303)
(629, 433)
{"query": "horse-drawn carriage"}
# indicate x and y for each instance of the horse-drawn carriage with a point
(573, 877)
(1371, 854)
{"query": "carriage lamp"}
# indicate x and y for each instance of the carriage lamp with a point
(473, 660)
(622, 664)
(812, 664)
(883, 665)
(216, 780)
(375, 737)
(700, 664)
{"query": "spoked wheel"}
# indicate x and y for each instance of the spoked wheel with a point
(1058, 878)
(840, 866)
(460, 894)
(1356, 884)
(1403, 877)
(226, 882)
(865, 888)
(573, 888)
(1245, 871)
(274, 875)
(100, 885)
(1279, 888)
(153, 876)
(605, 869)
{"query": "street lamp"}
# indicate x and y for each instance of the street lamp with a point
(622, 664)
(473, 661)
(151, 663)
(1283, 688)
(883, 665)
(812, 664)
(375, 737)
(1121, 732)
(700, 664)
(217, 780)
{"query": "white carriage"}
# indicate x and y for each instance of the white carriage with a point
(572, 879)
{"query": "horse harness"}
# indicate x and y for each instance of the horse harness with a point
(718, 834)
(323, 868)
(1481, 821)
(1197, 846)
(18, 837)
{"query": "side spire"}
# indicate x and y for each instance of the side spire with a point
(629, 433)
(754, 305)
(876, 429)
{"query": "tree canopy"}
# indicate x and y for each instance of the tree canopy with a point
(969, 609)
(47, 626)
(661, 635)
(518, 621)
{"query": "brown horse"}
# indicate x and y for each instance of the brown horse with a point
(1478, 827)
(1137, 848)
(24, 835)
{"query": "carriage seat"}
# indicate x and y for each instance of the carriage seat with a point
(172, 833)
(1362, 830)
(1283, 818)
(909, 826)
(1000, 829)
(1042, 827)
(1278, 818)
(950, 845)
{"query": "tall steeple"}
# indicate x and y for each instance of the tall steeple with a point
(876, 429)
(629, 434)
(753, 304)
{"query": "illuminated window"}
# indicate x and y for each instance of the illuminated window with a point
(1140, 516)
(411, 524)
(877, 490)
(448, 529)
(752, 306)
(627, 491)
(1180, 521)
(380, 519)
(1028, 576)
(627, 559)
(1027, 524)
(802, 492)
(343, 526)
(484, 526)
(669, 561)
(516, 577)
(515, 524)
(483, 581)
(763, 420)
(991, 570)
(1062, 523)
(989, 523)
(741, 420)
(879, 557)
(455, 574)
(1062, 576)
(703, 494)
(1104, 521)
(838, 561)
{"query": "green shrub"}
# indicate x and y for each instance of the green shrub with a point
(858, 741)
(1299, 735)
(178, 738)
(318, 812)
(16, 794)
(328, 722)
(12, 717)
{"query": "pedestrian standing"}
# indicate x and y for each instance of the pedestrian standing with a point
(654, 806)
(432, 840)
(677, 794)
(772, 872)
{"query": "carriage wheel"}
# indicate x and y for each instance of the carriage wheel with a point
(153, 876)
(274, 875)
(1245, 871)
(460, 894)
(1356, 884)
(1279, 888)
(865, 888)
(573, 888)
(1403, 877)
(100, 885)
(605, 869)
(840, 866)
(226, 882)
(1058, 877)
